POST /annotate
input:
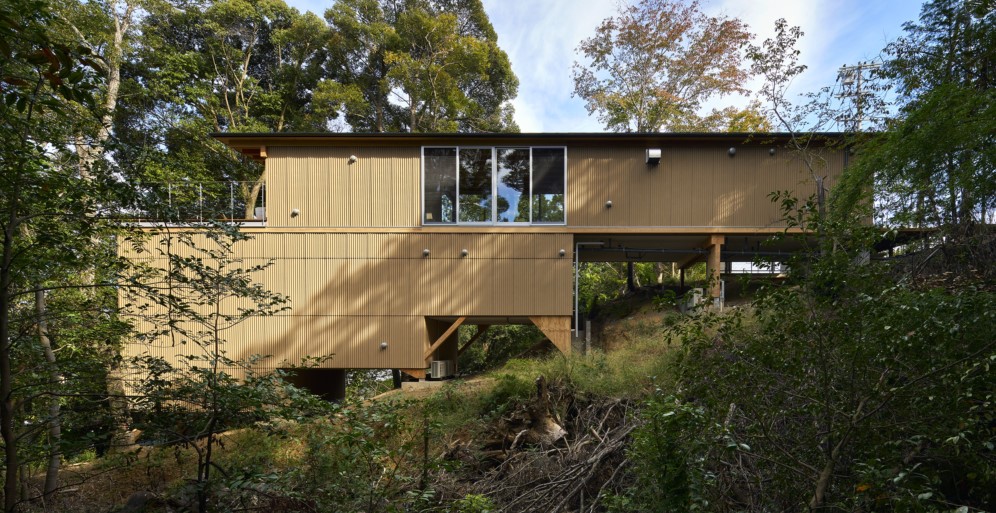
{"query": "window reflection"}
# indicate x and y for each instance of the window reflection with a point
(513, 185)
(475, 185)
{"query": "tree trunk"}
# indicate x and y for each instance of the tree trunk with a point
(54, 413)
(253, 196)
(11, 461)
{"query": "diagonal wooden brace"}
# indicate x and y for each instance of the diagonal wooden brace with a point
(439, 341)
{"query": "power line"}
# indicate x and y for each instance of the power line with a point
(852, 80)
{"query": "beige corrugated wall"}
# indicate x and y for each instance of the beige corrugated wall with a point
(691, 187)
(379, 189)
(351, 292)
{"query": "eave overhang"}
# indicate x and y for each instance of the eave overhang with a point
(254, 145)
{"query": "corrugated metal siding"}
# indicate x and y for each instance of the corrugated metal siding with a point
(380, 189)
(700, 186)
(350, 292)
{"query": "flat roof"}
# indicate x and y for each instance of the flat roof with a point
(254, 144)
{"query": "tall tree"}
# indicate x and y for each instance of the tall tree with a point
(421, 66)
(934, 166)
(108, 30)
(50, 214)
(654, 65)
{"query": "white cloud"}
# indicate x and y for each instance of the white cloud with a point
(540, 38)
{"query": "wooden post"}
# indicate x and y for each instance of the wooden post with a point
(587, 336)
(715, 247)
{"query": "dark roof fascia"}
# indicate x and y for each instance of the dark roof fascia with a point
(241, 141)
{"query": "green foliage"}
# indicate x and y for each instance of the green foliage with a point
(667, 455)
(366, 457)
(420, 67)
(496, 346)
(192, 295)
(474, 504)
(508, 391)
(843, 389)
(58, 333)
(932, 167)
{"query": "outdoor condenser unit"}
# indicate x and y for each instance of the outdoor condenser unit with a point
(441, 369)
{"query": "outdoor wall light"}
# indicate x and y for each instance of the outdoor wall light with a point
(426, 252)
(732, 151)
(295, 212)
(562, 252)
(464, 253)
(608, 204)
(653, 156)
(383, 346)
(771, 152)
(352, 159)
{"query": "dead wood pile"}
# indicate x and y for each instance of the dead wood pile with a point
(558, 452)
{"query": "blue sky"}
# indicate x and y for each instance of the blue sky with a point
(540, 37)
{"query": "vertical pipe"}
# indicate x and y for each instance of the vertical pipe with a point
(200, 201)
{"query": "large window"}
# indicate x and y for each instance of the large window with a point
(475, 185)
(493, 185)
(439, 192)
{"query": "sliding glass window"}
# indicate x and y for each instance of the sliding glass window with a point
(439, 185)
(548, 185)
(494, 185)
(513, 185)
(475, 185)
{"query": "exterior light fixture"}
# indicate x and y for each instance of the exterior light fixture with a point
(464, 253)
(426, 252)
(562, 253)
(771, 152)
(608, 204)
(352, 159)
(383, 346)
(653, 156)
(732, 151)
(295, 212)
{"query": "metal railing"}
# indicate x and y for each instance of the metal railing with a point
(200, 202)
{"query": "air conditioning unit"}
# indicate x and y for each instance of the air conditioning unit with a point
(440, 369)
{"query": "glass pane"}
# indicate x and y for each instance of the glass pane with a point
(513, 185)
(548, 185)
(475, 185)
(440, 185)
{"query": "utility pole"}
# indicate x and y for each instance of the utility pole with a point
(852, 80)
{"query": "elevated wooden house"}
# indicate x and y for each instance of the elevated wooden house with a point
(386, 243)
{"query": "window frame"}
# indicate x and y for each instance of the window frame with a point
(494, 186)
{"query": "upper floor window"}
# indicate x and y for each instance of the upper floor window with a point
(485, 185)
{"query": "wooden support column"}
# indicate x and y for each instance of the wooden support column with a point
(714, 265)
(557, 329)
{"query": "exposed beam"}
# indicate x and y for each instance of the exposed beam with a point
(415, 373)
(480, 331)
(689, 260)
(439, 341)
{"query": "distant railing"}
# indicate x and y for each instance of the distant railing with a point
(200, 202)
